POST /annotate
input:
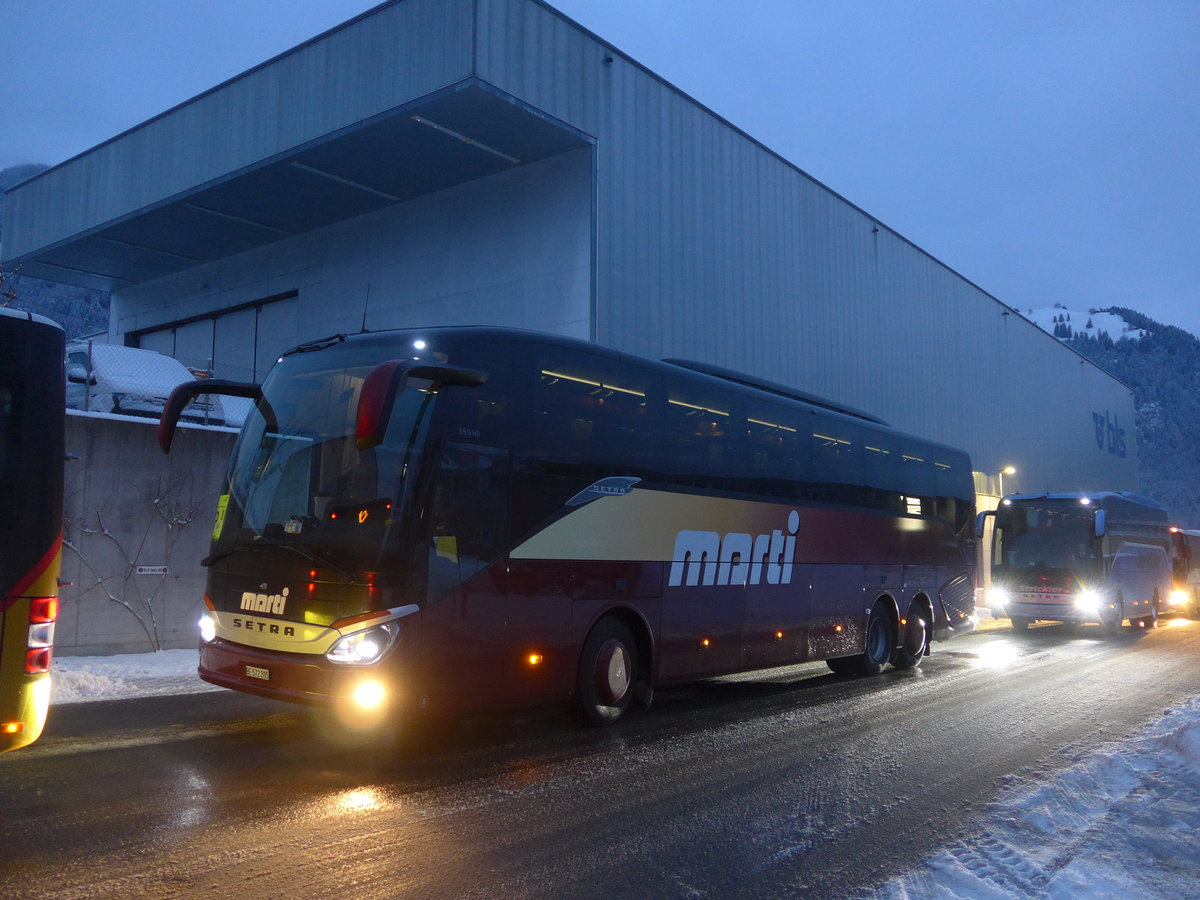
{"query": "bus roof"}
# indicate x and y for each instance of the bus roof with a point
(731, 380)
(28, 316)
(1121, 503)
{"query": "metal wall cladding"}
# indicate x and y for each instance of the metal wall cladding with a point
(394, 54)
(706, 244)
(709, 246)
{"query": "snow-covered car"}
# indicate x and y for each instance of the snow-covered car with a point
(116, 379)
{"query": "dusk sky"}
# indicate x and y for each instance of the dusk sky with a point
(1047, 151)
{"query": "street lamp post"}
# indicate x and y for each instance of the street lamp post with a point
(1007, 470)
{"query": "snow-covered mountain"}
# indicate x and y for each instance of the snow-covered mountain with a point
(1065, 322)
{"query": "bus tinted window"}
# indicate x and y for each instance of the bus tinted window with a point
(704, 437)
(778, 453)
(470, 506)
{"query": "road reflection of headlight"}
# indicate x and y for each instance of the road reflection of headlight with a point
(364, 647)
(996, 655)
(1088, 602)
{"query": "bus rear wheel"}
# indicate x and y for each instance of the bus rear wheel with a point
(607, 672)
(880, 642)
(1114, 622)
(916, 640)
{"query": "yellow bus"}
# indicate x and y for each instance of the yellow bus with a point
(32, 425)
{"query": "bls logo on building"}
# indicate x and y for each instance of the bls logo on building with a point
(704, 558)
(1109, 433)
(264, 603)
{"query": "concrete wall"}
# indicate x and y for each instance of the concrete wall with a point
(127, 505)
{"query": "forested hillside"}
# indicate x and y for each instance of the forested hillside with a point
(1163, 368)
(79, 310)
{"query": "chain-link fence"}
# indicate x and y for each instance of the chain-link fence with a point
(111, 378)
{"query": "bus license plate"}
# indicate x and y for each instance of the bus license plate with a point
(258, 672)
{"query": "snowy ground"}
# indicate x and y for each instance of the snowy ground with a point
(78, 679)
(1121, 821)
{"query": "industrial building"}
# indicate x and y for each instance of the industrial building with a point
(441, 162)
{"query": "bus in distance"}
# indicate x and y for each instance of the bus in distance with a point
(1185, 572)
(32, 425)
(1079, 557)
(464, 518)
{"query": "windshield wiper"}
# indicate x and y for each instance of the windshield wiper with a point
(310, 555)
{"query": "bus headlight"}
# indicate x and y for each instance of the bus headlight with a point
(998, 599)
(208, 627)
(361, 648)
(1178, 598)
(1088, 602)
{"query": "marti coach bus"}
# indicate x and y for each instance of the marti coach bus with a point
(32, 416)
(471, 517)
(1101, 557)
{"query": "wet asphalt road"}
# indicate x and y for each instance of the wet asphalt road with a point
(786, 783)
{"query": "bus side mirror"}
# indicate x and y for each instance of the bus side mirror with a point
(187, 392)
(1099, 522)
(980, 520)
(384, 382)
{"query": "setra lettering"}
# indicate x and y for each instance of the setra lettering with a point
(265, 627)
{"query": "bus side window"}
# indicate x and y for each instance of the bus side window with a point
(470, 506)
(777, 454)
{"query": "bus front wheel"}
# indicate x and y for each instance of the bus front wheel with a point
(1151, 620)
(607, 671)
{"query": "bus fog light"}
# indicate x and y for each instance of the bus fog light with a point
(1088, 602)
(208, 627)
(361, 648)
(369, 695)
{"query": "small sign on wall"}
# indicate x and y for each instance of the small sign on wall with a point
(150, 570)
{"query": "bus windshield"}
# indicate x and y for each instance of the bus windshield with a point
(297, 478)
(1051, 536)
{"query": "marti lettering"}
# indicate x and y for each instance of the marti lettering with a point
(264, 603)
(704, 558)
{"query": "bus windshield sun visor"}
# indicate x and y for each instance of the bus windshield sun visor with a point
(385, 380)
(189, 390)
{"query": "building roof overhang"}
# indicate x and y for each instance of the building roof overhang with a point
(465, 132)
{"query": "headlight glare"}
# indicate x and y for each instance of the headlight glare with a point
(998, 598)
(1088, 601)
(1179, 598)
(362, 648)
(208, 627)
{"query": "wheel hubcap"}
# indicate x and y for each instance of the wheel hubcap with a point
(612, 672)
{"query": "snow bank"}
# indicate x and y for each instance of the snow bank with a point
(1122, 821)
(76, 679)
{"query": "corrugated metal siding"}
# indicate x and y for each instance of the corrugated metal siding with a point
(706, 244)
(711, 247)
(396, 54)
